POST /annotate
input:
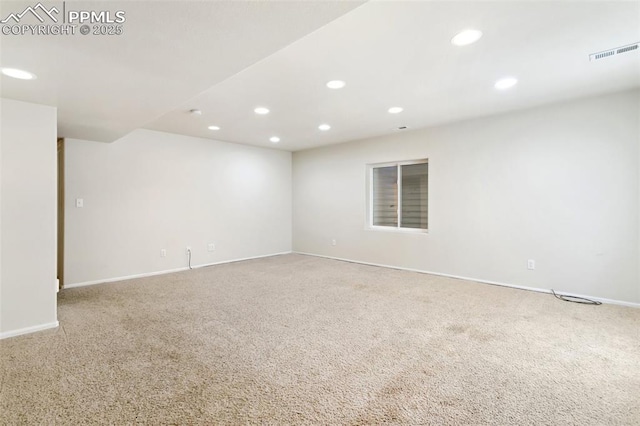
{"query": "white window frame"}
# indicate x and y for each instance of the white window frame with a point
(369, 225)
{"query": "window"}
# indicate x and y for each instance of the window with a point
(399, 195)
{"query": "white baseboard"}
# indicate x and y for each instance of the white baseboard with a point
(539, 290)
(122, 278)
(27, 330)
(168, 271)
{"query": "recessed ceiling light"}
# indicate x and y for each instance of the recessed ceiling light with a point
(261, 110)
(505, 83)
(395, 110)
(324, 127)
(16, 73)
(466, 37)
(274, 139)
(336, 84)
(214, 128)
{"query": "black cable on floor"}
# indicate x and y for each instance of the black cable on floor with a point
(575, 299)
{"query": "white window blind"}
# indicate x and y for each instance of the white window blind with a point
(385, 196)
(399, 195)
(414, 195)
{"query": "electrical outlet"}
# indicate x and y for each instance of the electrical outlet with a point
(211, 246)
(531, 264)
(163, 253)
(334, 242)
(79, 203)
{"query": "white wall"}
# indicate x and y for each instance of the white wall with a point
(558, 184)
(28, 212)
(151, 190)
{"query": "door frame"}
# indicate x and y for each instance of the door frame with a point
(60, 256)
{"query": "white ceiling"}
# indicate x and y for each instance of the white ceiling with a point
(226, 58)
(170, 51)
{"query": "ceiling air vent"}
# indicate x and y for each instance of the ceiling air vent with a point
(612, 52)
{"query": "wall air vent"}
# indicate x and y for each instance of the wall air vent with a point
(613, 52)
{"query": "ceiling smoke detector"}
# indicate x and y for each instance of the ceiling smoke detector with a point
(615, 51)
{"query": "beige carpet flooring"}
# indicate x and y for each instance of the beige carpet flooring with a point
(302, 340)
